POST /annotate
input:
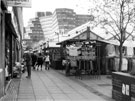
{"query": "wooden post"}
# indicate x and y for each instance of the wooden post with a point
(98, 58)
(88, 33)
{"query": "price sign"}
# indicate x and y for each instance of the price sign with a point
(125, 89)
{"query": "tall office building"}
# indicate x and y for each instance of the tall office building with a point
(61, 21)
(34, 30)
(47, 25)
(41, 14)
(81, 19)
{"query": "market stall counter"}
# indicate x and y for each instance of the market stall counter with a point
(123, 86)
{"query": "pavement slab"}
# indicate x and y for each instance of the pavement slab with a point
(53, 86)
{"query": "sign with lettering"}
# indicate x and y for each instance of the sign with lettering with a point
(125, 89)
(123, 86)
(19, 3)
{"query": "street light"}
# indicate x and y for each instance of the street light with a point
(58, 35)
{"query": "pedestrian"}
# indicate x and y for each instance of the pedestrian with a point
(28, 63)
(40, 61)
(34, 60)
(47, 62)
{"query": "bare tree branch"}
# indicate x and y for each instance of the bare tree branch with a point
(118, 38)
(111, 18)
(114, 30)
(130, 33)
(114, 21)
(129, 15)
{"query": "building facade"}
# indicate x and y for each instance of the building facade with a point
(82, 19)
(41, 14)
(34, 30)
(61, 21)
(10, 44)
(47, 26)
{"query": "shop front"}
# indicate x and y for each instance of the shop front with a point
(2, 47)
(8, 48)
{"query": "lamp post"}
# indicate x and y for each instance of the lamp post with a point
(58, 35)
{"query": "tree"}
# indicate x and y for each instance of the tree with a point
(117, 18)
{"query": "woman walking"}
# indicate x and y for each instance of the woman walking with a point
(47, 62)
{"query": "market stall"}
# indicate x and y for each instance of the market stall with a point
(54, 52)
(55, 57)
(123, 80)
(83, 56)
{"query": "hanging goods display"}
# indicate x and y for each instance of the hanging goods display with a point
(110, 50)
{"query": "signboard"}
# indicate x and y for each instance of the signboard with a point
(123, 87)
(19, 3)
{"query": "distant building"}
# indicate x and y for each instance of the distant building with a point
(61, 21)
(82, 19)
(41, 14)
(47, 25)
(34, 30)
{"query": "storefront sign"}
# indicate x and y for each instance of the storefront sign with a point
(123, 86)
(125, 89)
(19, 3)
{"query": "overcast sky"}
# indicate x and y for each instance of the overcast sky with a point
(79, 6)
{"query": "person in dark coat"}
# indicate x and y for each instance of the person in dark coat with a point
(28, 61)
(34, 60)
(40, 61)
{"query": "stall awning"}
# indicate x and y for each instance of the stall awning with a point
(53, 44)
(75, 40)
(70, 41)
(127, 43)
(9, 25)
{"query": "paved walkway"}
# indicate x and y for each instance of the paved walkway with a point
(53, 86)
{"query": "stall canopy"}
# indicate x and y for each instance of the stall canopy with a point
(116, 42)
(68, 41)
(53, 44)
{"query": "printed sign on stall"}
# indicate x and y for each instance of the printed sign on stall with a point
(19, 3)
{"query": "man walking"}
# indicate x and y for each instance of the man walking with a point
(39, 61)
(34, 60)
(28, 61)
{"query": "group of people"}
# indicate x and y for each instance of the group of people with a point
(35, 60)
(39, 60)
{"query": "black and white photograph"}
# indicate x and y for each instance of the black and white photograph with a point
(67, 50)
